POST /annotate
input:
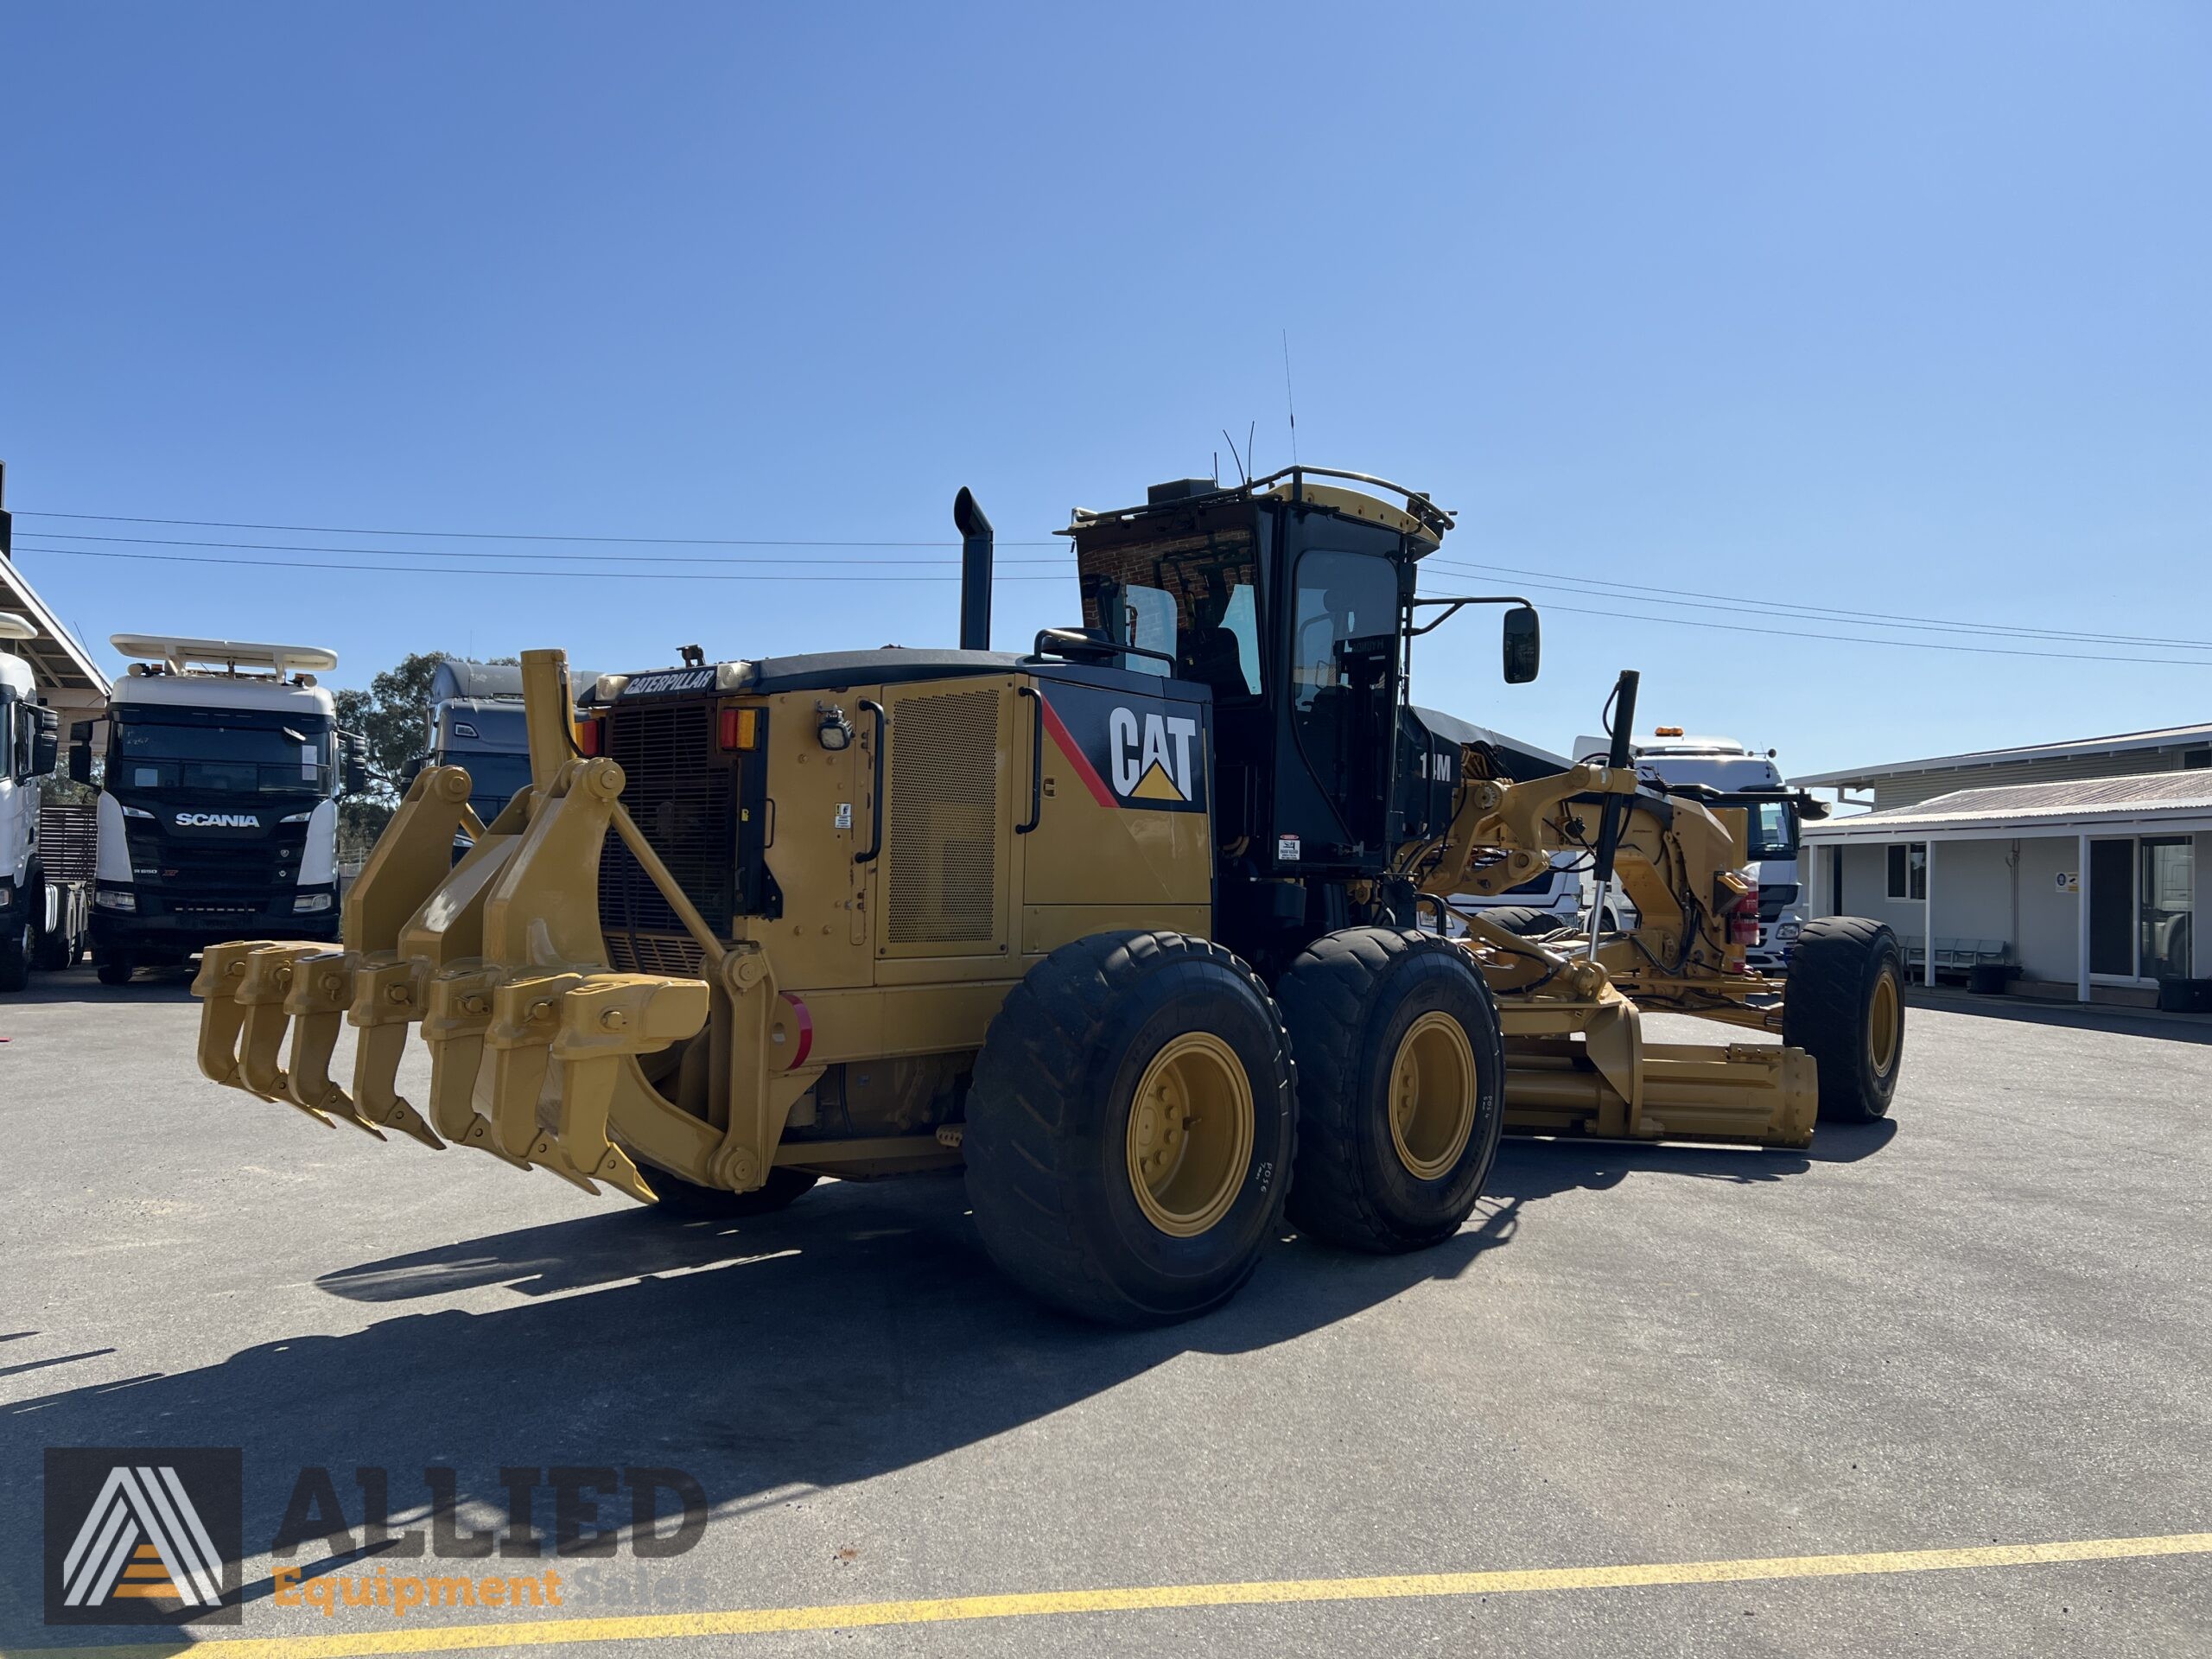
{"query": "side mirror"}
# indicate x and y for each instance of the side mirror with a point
(81, 751)
(1524, 647)
(354, 779)
(46, 743)
(413, 770)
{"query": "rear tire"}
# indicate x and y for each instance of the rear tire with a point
(1131, 1127)
(1844, 1007)
(55, 953)
(1524, 919)
(1401, 1075)
(115, 970)
(688, 1200)
(15, 958)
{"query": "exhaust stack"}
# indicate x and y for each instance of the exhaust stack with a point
(975, 572)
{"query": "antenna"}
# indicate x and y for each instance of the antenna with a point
(1244, 471)
(1251, 453)
(1288, 401)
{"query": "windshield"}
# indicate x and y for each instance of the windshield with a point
(235, 754)
(1773, 830)
(493, 779)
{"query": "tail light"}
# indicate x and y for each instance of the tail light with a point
(591, 737)
(739, 728)
(1737, 898)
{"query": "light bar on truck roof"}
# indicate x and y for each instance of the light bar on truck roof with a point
(13, 627)
(177, 655)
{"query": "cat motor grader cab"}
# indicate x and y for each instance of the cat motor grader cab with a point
(1142, 927)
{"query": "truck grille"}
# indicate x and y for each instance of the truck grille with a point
(682, 791)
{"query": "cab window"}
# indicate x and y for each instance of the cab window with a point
(1343, 637)
(1346, 615)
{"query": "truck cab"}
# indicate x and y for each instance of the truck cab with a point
(218, 801)
(1723, 772)
(28, 743)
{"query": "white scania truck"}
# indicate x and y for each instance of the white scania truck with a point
(41, 916)
(1726, 773)
(218, 805)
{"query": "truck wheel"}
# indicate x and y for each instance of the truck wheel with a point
(15, 958)
(54, 953)
(1130, 1127)
(686, 1200)
(1524, 919)
(1401, 1074)
(115, 970)
(1844, 1007)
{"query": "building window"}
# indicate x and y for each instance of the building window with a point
(2195, 760)
(1908, 870)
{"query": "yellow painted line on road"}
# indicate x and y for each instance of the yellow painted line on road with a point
(398, 1638)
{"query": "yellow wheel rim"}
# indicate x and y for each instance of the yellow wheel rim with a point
(1433, 1087)
(1191, 1131)
(1885, 1024)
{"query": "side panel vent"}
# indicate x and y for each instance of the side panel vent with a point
(942, 820)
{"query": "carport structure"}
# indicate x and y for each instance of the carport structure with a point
(2094, 882)
(68, 679)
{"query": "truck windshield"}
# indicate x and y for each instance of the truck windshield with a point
(493, 779)
(1773, 830)
(229, 753)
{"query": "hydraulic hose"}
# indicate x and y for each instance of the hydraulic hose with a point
(1609, 816)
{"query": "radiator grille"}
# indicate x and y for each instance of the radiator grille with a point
(678, 957)
(941, 821)
(682, 791)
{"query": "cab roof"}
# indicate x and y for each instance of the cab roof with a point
(1419, 518)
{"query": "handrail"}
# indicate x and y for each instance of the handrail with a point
(875, 811)
(1036, 762)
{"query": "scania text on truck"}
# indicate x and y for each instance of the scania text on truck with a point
(218, 805)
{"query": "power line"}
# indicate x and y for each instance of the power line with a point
(451, 570)
(1783, 608)
(495, 535)
(1858, 640)
(483, 553)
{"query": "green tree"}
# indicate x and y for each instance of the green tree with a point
(392, 716)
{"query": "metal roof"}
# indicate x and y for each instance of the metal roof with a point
(68, 677)
(2168, 737)
(2166, 798)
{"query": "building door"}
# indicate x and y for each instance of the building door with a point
(2166, 894)
(2111, 908)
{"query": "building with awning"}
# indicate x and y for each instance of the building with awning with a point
(2092, 887)
(68, 679)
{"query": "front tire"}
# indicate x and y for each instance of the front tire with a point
(1131, 1127)
(1401, 1075)
(115, 970)
(15, 958)
(1844, 1007)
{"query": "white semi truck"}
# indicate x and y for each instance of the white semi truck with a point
(1733, 776)
(219, 802)
(43, 913)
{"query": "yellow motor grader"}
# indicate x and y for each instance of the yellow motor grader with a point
(1148, 928)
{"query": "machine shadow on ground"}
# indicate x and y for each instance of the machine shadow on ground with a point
(2064, 1016)
(863, 1330)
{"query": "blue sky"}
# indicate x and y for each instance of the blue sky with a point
(1879, 308)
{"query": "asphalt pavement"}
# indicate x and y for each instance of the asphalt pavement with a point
(1986, 1323)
